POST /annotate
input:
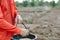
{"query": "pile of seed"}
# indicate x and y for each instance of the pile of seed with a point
(25, 39)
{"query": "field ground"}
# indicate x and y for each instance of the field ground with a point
(45, 23)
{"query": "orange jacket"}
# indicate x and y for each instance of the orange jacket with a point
(8, 13)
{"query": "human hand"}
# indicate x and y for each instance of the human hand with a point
(24, 32)
(18, 19)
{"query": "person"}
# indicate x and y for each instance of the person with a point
(8, 13)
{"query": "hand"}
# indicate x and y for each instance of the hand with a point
(24, 32)
(18, 19)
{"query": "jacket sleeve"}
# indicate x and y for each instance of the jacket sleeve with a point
(7, 26)
(15, 9)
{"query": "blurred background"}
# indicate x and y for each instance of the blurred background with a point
(42, 17)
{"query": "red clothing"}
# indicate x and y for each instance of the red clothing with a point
(8, 13)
